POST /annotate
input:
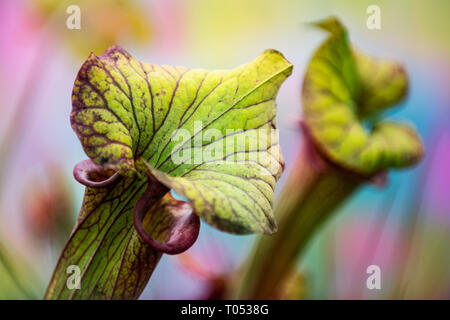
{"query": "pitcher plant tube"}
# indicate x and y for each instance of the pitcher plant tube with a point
(129, 117)
(347, 143)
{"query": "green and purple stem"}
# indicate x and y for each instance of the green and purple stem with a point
(172, 225)
(314, 189)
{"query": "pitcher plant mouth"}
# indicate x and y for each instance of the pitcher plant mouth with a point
(318, 158)
(90, 174)
(181, 224)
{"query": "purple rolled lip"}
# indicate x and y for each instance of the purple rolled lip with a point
(185, 226)
(184, 229)
(93, 175)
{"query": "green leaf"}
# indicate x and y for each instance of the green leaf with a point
(124, 110)
(343, 92)
(128, 115)
(384, 83)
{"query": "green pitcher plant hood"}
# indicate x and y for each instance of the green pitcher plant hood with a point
(344, 94)
(134, 120)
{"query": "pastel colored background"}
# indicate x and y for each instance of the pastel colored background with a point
(404, 227)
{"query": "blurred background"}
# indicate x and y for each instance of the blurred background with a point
(404, 227)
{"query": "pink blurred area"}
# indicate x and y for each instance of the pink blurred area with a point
(438, 192)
